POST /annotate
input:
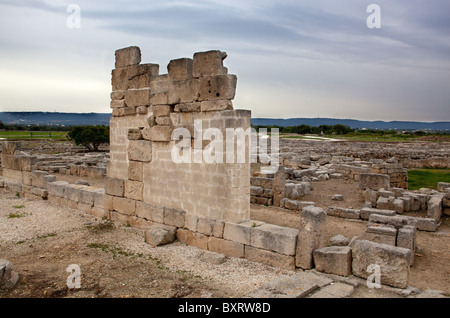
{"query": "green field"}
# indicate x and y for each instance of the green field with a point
(427, 178)
(24, 134)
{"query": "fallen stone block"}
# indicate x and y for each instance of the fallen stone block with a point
(339, 240)
(406, 238)
(393, 262)
(343, 212)
(158, 235)
(380, 233)
(334, 260)
(274, 238)
(441, 186)
(366, 212)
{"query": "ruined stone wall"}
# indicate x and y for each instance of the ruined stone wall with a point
(147, 107)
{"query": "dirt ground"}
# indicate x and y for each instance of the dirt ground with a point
(41, 240)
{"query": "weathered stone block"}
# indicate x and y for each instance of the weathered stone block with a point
(215, 105)
(192, 238)
(137, 97)
(334, 260)
(180, 69)
(311, 235)
(188, 107)
(140, 150)
(216, 88)
(229, 248)
(238, 232)
(128, 56)
(124, 205)
(174, 217)
(434, 207)
(135, 170)
(269, 258)
(380, 233)
(115, 187)
(210, 226)
(157, 235)
(134, 190)
(209, 63)
(393, 262)
(181, 92)
(274, 238)
(343, 212)
(366, 212)
(160, 133)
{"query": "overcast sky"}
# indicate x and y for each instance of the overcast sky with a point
(315, 58)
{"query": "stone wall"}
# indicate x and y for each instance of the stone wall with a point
(147, 107)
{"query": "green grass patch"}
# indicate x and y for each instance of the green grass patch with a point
(18, 206)
(427, 178)
(15, 215)
(24, 134)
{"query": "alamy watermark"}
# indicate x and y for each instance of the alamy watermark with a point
(237, 146)
(74, 279)
(374, 279)
(74, 19)
(374, 19)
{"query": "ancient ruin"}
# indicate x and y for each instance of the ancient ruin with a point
(207, 204)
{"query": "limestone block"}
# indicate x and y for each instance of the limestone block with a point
(162, 110)
(311, 235)
(188, 107)
(441, 186)
(135, 170)
(159, 99)
(380, 233)
(151, 212)
(343, 212)
(134, 190)
(210, 227)
(339, 240)
(269, 258)
(213, 258)
(128, 56)
(406, 238)
(334, 260)
(427, 224)
(163, 121)
(279, 184)
(174, 217)
(183, 91)
(180, 69)
(393, 262)
(160, 84)
(366, 212)
(216, 88)
(140, 150)
(140, 76)
(124, 205)
(158, 235)
(374, 181)
(115, 187)
(239, 232)
(56, 188)
(209, 63)
(134, 134)
(117, 103)
(137, 97)
(117, 95)
(160, 133)
(216, 105)
(229, 248)
(192, 238)
(274, 238)
(434, 207)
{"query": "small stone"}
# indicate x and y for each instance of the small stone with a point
(338, 197)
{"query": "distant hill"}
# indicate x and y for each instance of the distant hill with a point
(54, 118)
(71, 119)
(353, 123)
